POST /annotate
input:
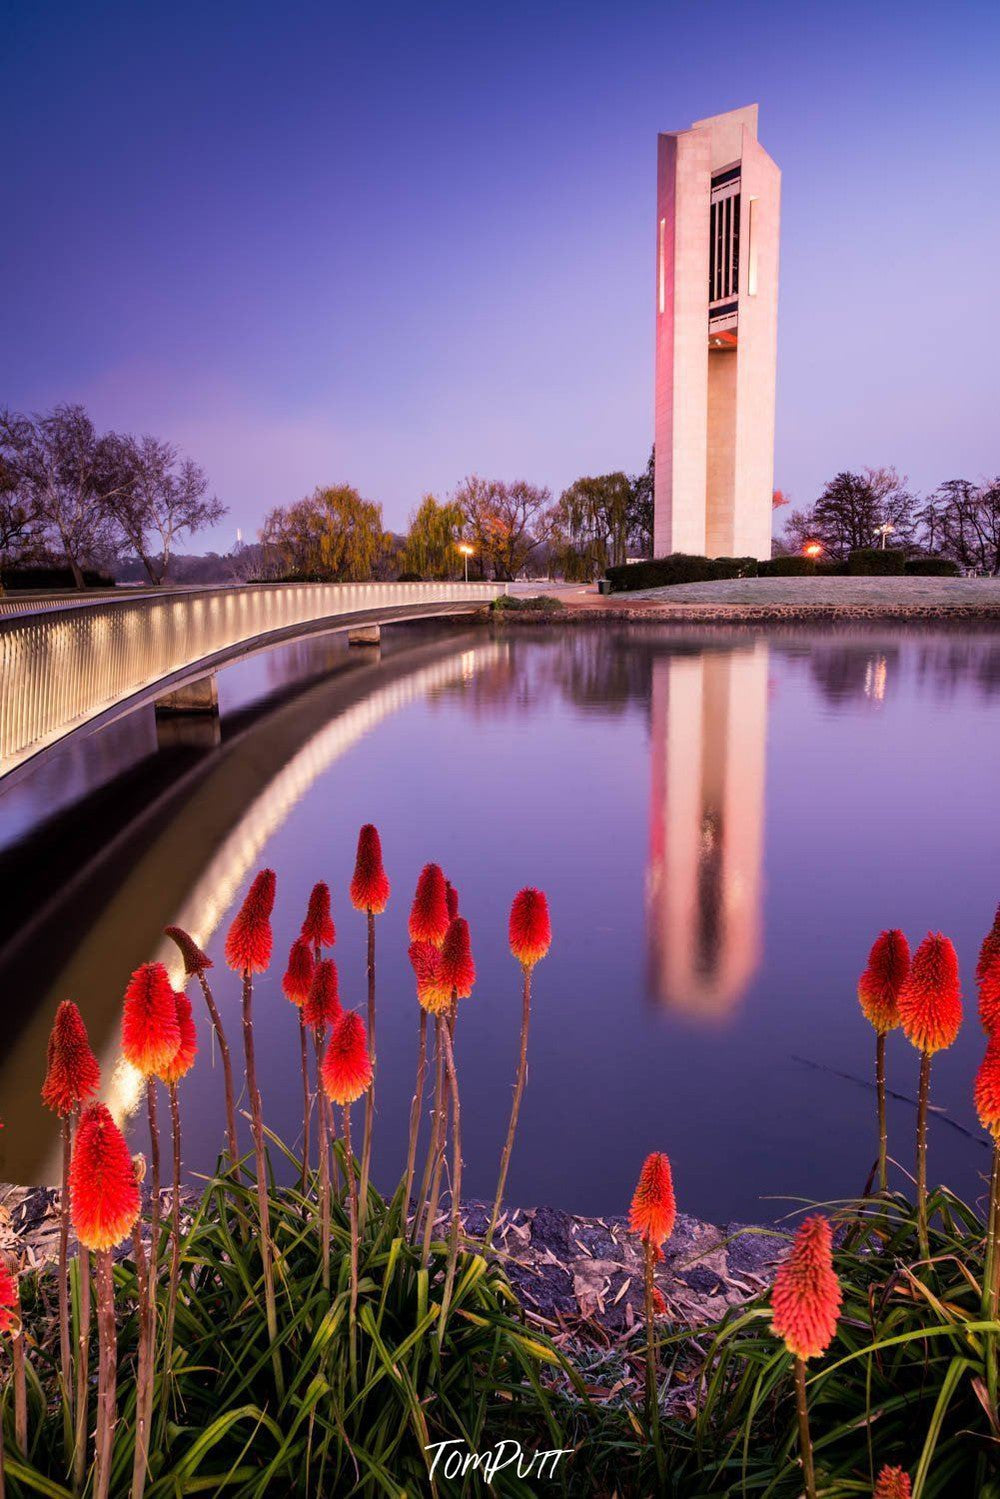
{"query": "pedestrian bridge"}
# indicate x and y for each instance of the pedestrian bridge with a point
(75, 665)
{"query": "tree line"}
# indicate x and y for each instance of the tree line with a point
(959, 520)
(72, 495)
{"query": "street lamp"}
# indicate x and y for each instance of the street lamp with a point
(467, 552)
(885, 531)
(812, 549)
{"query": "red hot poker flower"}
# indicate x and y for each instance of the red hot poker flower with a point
(987, 1088)
(318, 928)
(369, 887)
(930, 1001)
(451, 899)
(879, 985)
(458, 971)
(249, 940)
(72, 1075)
(9, 1300)
(654, 1207)
(990, 949)
(187, 1050)
(806, 1297)
(150, 1034)
(195, 961)
(299, 974)
(347, 1067)
(530, 930)
(432, 992)
(989, 997)
(893, 1483)
(429, 912)
(322, 1005)
(104, 1197)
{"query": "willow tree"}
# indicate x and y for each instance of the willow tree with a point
(332, 534)
(432, 542)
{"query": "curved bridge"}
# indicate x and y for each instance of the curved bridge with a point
(72, 669)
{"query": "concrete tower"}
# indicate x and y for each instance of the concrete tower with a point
(717, 209)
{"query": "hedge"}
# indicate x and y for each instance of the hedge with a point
(931, 567)
(679, 567)
(787, 567)
(41, 578)
(876, 562)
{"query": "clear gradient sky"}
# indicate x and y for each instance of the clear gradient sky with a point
(393, 245)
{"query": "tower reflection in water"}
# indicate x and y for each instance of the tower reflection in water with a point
(704, 880)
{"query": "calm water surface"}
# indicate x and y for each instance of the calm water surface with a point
(723, 822)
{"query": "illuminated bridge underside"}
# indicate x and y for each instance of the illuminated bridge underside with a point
(72, 670)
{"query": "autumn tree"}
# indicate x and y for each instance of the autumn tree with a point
(432, 540)
(331, 535)
(590, 525)
(155, 496)
(505, 523)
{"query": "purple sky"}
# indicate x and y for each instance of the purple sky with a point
(321, 242)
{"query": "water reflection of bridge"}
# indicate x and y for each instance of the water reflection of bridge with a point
(707, 745)
(155, 872)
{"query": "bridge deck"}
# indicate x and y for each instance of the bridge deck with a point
(70, 670)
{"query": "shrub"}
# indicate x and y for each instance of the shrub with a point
(876, 562)
(679, 567)
(507, 604)
(787, 567)
(931, 567)
(410, 577)
(43, 578)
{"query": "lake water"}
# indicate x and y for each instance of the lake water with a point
(722, 820)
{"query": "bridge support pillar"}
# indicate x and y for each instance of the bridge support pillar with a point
(189, 715)
(365, 635)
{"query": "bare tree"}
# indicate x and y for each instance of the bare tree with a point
(851, 512)
(962, 520)
(154, 496)
(504, 522)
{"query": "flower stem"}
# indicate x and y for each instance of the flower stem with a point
(18, 1380)
(432, 1173)
(306, 1100)
(175, 1252)
(65, 1355)
(82, 1371)
(922, 1097)
(144, 1382)
(324, 1164)
(366, 1148)
(805, 1440)
(107, 1406)
(456, 1179)
(227, 1069)
(418, 1098)
(652, 1381)
(522, 1073)
(263, 1208)
(883, 1137)
(154, 1189)
(353, 1210)
(991, 1280)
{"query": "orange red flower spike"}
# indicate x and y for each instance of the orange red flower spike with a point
(150, 1033)
(990, 950)
(249, 940)
(429, 912)
(369, 887)
(457, 968)
(451, 899)
(104, 1197)
(318, 928)
(986, 1090)
(892, 1483)
(195, 961)
(433, 993)
(347, 1067)
(72, 1075)
(299, 974)
(930, 1001)
(9, 1300)
(654, 1207)
(183, 1059)
(806, 1296)
(989, 997)
(322, 1005)
(530, 930)
(879, 985)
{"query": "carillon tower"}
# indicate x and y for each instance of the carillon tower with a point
(717, 209)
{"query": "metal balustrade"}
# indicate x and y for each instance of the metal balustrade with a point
(66, 668)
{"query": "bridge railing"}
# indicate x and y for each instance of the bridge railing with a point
(62, 667)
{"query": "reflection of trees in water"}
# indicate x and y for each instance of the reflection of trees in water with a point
(869, 667)
(709, 935)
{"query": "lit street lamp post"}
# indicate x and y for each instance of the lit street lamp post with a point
(467, 552)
